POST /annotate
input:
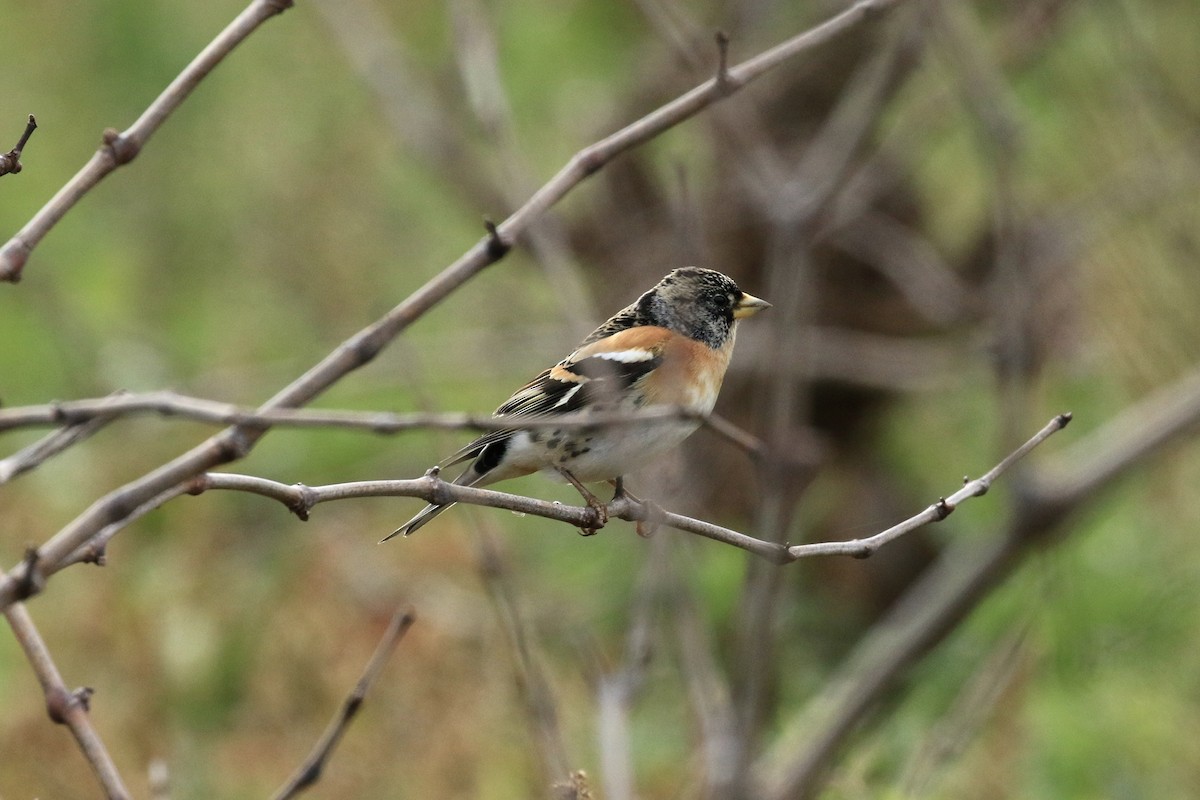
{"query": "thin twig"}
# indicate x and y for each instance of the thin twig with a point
(310, 771)
(862, 548)
(170, 404)
(30, 127)
(55, 442)
(99, 411)
(65, 707)
(121, 147)
(47, 447)
(359, 349)
(10, 162)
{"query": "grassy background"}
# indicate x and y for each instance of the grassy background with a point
(276, 213)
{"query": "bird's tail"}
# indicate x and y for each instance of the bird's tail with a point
(428, 513)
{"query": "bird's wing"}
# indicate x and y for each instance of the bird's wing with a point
(599, 372)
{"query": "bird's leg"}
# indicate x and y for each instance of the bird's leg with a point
(649, 510)
(590, 499)
(619, 490)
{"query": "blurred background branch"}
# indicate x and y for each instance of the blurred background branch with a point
(309, 772)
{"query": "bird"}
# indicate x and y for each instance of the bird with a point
(669, 348)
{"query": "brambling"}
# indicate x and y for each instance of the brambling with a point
(668, 348)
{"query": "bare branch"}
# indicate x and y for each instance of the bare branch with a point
(170, 404)
(47, 447)
(10, 162)
(234, 443)
(65, 707)
(99, 411)
(431, 488)
(30, 127)
(309, 772)
(300, 499)
(121, 147)
(861, 548)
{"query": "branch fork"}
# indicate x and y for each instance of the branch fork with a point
(29, 578)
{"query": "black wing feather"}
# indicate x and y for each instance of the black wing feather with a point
(606, 378)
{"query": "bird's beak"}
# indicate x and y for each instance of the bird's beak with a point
(748, 306)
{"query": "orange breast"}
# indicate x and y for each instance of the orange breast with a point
(690, 374)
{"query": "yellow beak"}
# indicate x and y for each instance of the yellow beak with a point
(748, 306)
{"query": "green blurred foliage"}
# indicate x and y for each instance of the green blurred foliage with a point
(276, 213)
